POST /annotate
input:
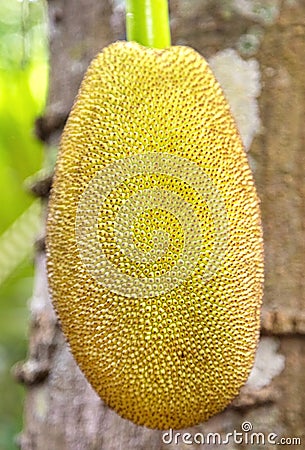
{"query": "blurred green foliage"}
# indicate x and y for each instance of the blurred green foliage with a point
(23, 84)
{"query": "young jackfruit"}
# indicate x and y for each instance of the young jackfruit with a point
(154, 241)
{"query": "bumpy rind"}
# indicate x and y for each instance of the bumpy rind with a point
(177, 358)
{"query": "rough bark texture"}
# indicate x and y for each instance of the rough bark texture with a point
(62, 412)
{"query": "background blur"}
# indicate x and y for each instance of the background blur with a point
(23, 84)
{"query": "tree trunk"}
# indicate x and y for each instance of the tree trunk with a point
(62, 412)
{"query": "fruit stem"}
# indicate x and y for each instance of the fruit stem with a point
(147, 22)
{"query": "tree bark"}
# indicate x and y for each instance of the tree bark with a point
(62, 412)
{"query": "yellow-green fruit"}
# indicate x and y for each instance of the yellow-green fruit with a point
(154, 240)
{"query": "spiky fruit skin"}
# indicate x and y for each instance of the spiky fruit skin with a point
(173, 358)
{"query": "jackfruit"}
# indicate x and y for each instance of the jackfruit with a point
(154, 239)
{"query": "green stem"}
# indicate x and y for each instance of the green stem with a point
(147, 22)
